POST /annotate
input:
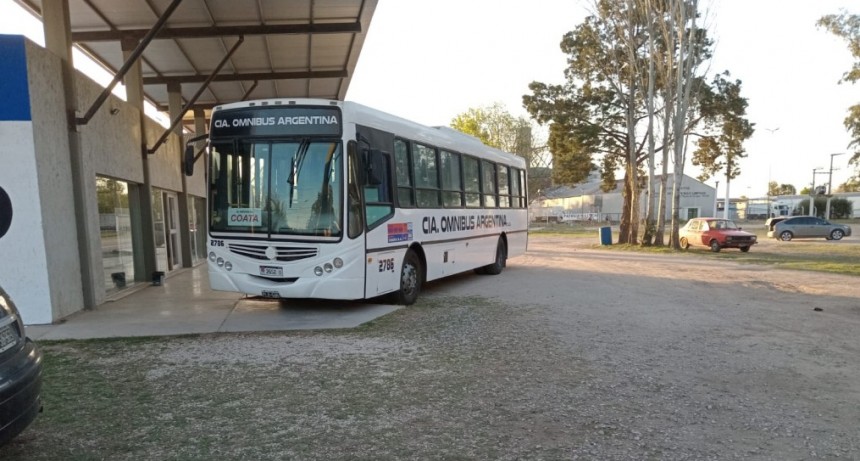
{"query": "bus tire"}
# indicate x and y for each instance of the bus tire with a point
(501, 259)
(410, 279)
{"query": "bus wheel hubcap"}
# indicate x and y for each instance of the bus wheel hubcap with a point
(409, 278)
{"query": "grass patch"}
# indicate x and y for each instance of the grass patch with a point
(816, 255)
(563, 229)
(837, 258)
(420, 378)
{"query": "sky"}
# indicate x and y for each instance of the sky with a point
(430, 60)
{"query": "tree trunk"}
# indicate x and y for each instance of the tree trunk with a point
(650, 224)
(664, 177)
(624, 225)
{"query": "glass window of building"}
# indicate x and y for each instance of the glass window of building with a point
(115, 233)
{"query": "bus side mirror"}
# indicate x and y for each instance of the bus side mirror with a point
(188, 160)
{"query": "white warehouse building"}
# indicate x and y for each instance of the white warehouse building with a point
(587, 201)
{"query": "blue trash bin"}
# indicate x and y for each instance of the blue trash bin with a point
(606, 235)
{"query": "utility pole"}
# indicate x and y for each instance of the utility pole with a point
(716, 194)
(830, 175)
(812, 193)
(830, 185)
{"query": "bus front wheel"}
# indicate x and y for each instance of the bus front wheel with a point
(410, 279)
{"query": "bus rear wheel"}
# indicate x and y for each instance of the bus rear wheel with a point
(501, 259)
(410, 279)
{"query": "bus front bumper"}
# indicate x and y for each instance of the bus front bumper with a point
(323, 287)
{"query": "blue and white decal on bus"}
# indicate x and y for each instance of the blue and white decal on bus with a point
(400, 232)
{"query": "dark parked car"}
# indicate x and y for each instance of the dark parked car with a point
(808, 227)
(20, 373)
(716, 234)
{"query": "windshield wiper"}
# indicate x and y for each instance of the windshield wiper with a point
(295, 167)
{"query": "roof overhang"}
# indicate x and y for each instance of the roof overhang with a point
(290, 49)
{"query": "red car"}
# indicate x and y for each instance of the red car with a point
(716, 234)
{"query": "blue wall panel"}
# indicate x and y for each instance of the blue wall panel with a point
(14, 88)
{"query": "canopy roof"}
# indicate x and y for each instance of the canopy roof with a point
(295, 48)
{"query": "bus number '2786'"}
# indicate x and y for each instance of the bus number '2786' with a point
(216, 243)
(386, 265)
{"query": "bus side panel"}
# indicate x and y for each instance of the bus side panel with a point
(383, 272)
(518, 236)
(517, 244)
(447, 251)
(449, 258)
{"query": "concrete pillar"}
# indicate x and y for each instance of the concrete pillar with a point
(199, 124)
(133, 81)
(200, 127)
(174, 102)
(58, 40)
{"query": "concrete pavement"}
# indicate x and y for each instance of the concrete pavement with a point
(185, 304)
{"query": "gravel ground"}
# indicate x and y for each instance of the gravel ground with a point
(572, 353)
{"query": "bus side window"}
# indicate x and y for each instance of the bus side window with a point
(504, 186)
(488, 184)
(472, 181)
(402, 162)
(426, 172)
(517, 201)
(377, 190)
(452, 188)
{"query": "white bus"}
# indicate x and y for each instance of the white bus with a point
(314, 198)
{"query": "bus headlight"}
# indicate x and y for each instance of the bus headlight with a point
(212, 256)
(318, 271)
(228, 265)
(328, 267)
(220, 262)
(338, 263)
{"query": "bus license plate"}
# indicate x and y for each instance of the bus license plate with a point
(272, 271)
(271, 294)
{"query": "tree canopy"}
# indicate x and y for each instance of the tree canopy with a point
(774, 189)
(496, 127)
(847, 27)
(724, 113)
(627, 61)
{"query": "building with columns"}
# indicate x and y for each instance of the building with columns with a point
(98, 202)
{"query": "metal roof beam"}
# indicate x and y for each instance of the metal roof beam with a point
(142, 44)
(247, 76)
(193, 99)
(219, 31)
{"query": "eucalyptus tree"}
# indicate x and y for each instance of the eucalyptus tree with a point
(628, 61)
(847, 26)
(596, 111)
(721, 148)
(678, 47)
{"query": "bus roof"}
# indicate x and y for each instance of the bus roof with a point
(441, 136)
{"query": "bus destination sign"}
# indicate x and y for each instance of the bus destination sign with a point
(276, 121)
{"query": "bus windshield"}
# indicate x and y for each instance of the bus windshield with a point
(278, 187)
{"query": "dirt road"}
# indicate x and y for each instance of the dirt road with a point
(684, 357)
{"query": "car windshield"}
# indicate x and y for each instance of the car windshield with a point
(722, 224)
(290, 188)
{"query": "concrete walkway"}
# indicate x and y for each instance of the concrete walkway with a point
(184, 304)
